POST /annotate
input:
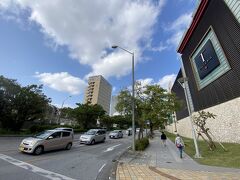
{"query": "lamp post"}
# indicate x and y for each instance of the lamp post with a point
(183, 82)
(133, 94)
(61, 108)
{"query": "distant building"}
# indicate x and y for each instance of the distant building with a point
(210, 51)
(98, 92)
(114, 102)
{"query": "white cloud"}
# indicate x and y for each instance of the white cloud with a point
(115, 64)
(177, 29)
(181, 22)
(167, 81)
(159, 48)
(114, 89)
(89, 28)
(147, 81)
(63, 82)
(64, 105)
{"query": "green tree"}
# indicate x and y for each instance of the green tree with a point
(122, 121)
(152, 103)
(86, 114)
(66, 112)
(106, 121)
(8, 90)
(20, 104)
(200, 121)
(124, 105)
(158, 105)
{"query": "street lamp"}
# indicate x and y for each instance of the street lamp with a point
(183, 82)
(61, 108)
(133, 94)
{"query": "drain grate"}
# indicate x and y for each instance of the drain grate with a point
(168, 162)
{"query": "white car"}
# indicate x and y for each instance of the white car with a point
(93, 136)
(129, 131)
(116, 134)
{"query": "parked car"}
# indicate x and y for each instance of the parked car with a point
(129, 131)
(66, 129)
(116, 134)
(92, 136)
(46, 141)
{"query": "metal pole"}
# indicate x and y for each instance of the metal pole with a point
(197, 155)
(61, 109)
(133, 95)
(133, 103)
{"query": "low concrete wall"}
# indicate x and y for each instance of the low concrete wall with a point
(225, 127)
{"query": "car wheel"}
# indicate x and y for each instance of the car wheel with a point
(93, 142)
(38, 150)
(104, 139)
(69, 146)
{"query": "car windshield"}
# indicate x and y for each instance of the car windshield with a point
(43, 135)
(115, 131)
(91, 132)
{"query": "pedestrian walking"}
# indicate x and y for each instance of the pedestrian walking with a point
(180, 144)
(163, 138)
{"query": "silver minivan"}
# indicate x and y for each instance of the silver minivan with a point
(92, 136)
(47, 141)
(66, 129)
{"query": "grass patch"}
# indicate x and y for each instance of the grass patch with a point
(218, 157)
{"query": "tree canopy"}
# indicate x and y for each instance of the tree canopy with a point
(152, 103)
(20, 104)
(86, 114)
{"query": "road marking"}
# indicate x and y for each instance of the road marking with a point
(79, 145)
(111, 148)
(34, 169)
(102, 167)
(7, 150)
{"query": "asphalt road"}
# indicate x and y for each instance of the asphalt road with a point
(84, 162)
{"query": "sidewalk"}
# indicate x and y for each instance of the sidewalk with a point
(159, 162)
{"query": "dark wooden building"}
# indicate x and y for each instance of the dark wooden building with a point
(210, 52)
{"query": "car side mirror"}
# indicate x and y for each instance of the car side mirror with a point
(97, 134)
(50, 137)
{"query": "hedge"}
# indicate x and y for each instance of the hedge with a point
(141, 144)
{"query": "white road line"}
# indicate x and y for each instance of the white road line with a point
(111, 148)
(79, 145)
(102, 167)
(34, 169)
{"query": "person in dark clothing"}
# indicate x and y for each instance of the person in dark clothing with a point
(163, 138)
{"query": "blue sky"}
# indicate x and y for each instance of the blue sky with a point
(61, 43)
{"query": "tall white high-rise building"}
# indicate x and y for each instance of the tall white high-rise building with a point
(114, 102)
(99, 92)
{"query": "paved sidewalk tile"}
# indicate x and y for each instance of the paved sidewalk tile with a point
(159, 162)
(144, 172)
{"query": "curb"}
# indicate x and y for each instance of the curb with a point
(8, 135)
(23, 135)
(115, 165)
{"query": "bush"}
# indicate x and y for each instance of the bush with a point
(79, 130)
(141, 144)
(40, 128)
